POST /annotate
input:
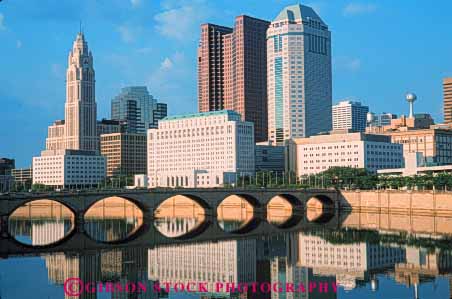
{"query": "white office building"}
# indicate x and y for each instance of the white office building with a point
(200, 150)
(69, 168)
(298, 75)
(359, 150)
(350, 115)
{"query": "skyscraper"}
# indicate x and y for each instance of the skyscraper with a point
(80, 108)
(350, 115)
(72, 155)
(298, 74)
(232, 70)
(138, 109)
(78, 130)
(447, 92)
(211, 67)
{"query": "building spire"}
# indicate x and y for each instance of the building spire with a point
(80, 31)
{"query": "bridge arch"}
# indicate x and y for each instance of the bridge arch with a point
(237, 213)
(180, 217)
(320, 201)
(29, 224)
(284, 210)
(114, 220)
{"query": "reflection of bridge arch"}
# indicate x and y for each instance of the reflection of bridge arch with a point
(180, 217)
(41, 223)
(113, 219)
(238, 213)
(284, 210)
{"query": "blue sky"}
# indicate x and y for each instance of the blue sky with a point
(381, 49)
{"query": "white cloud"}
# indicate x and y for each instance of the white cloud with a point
(127, 34)
(166, 64)
(182, 23)
(352, 9)
(135, 3)
(18, 44)
(2, 22)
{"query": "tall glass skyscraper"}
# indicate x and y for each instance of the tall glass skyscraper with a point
(138, 109)
(298, 74)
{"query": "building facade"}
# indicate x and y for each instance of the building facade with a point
(358, 150)
(22, 176)
(298, 75)
(269, 157)
(232, 70)
(200, 150)
(350, 115)
(125, 153)
(380, 119)
(69, 168)
(447, 105)
(6, 165)
(137, 109)
(72, 156)
(435, 144)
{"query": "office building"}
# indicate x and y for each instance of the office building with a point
(269, 157)
(200, 150)
(435, 143)
(6, 165)
(72, 156)
(298, 75)
(138, 109)
(125, 153)
(69, 168)
(232, 70)
(358, 150)
(350, 115)
(109, 126)
(22, 176)
(380, 119)
(447, 105)
(415, 164)
(6, 183)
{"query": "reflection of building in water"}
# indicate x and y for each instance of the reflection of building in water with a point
(114, 266)
(111, 229)
(423, 265)
(210, 262)
(175, 227)
(48, 232)
(349, 262)
(277, 256)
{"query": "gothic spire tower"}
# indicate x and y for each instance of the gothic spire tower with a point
(80, 108)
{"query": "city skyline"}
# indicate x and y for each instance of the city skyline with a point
(342, 17)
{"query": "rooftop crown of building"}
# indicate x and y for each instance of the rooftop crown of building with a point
(298, 13)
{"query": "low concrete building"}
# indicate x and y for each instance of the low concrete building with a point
(23, 176)
(359, 150)
(414, 165)
(69, 168)
(269, 157)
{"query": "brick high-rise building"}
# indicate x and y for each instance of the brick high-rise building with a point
(232, 70)
(447, 106)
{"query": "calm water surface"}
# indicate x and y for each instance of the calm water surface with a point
(367, 255)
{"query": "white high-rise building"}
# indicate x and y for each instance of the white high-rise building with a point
(200, 150)
(78, 130)
(350, 115)
(72, 155)
(298, 74)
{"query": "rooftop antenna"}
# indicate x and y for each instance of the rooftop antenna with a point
(80, 31)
